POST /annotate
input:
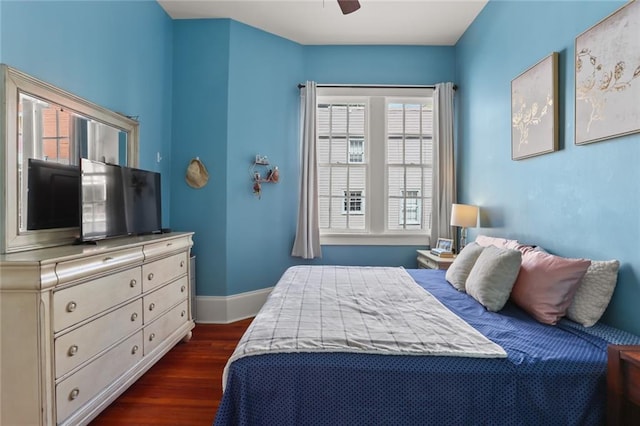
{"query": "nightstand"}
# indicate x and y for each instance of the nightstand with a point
(426, 260)
(623, 385)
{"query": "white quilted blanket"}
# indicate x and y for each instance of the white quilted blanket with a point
(377, 310)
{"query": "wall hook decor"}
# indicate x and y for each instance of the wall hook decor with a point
(261, 172)
(197, 175)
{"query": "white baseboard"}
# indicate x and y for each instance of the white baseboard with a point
(226, 309)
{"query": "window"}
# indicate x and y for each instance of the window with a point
(356, 150)
(353, 203)
(374, 151)
(410, 212)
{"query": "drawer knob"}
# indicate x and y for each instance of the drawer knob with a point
(182, 289)
(106, 259)
(182, 263)
(183, 313)
(150, 276)
(134, 316)
(73, 350)
(133, 283)
(152, 336)
(74, 394)
(134, 350)
(152, 306)
(71, 306)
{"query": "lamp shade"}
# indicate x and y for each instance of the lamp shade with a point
(464, 215)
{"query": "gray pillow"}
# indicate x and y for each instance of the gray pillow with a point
(461, 267)
(493, 275)
(594, 292)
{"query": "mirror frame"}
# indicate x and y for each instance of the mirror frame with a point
(11, 84)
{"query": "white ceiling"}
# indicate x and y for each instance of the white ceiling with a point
(410, 22)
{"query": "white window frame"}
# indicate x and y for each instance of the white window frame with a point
(376, 213)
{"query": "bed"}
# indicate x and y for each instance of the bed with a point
(547, 375)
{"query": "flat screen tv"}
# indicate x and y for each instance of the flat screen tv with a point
(117, 201)
(52, 195)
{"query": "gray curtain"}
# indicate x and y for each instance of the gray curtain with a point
(307, 242)
(444, 173)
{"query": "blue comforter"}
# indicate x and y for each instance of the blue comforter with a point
(552, 375)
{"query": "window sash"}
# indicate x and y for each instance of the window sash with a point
(374, 153)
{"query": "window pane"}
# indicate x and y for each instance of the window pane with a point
(395, 119)
(338, 181)
(396, 181)
(412, 150)
(357, 178)
(427, 118)
(414, 177)
(63, 123)
(394, 150)
(357, 222)
(356, 150)
(338, 218)
(323, 119)
(63, 146)
(394, 219)
(339, 150)
(324, 174)
(339, 120)
(427, 181)
(427, 151)
(412, 114)
(322, 149)
(356, 119)
(49, 122)
(323, 214)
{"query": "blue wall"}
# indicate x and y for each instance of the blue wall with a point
(115, 54)
(200, 86)
(582, 201)
(244, 243)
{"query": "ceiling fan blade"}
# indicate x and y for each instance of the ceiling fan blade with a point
(349, 6)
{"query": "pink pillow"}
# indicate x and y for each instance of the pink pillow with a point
(546, 284)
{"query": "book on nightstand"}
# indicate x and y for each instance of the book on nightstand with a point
(441, 252)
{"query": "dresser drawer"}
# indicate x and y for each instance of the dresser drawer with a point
(156, 332)
(162, 248)
(156, 303)
(77, 346)
(74, 304)
(164, 270)
(83, 267)
(81, 386)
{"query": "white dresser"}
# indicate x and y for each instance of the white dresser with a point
(81, 323)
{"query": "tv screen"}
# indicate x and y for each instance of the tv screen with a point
(142, 200)
(53, 195)
(118, 201)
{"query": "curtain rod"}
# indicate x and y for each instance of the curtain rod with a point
(378, 86)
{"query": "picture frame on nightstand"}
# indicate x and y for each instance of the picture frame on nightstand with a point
(443, 248)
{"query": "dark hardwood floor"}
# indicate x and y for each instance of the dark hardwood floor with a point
(184, 387)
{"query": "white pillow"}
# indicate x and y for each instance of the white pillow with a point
(491, 278)
(461, 267)
(594, 292)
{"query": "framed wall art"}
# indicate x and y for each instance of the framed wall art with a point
(534, 110)
(607, 77)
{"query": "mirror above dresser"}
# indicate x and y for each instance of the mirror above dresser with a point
(43, 123)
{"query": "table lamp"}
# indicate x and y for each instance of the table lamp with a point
(464, 216)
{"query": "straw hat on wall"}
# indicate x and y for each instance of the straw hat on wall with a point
(197, 175)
